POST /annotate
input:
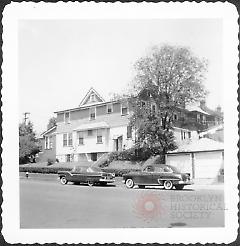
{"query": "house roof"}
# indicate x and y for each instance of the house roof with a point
(95, 125)
(110, 120)
(212, 130)
(47, 131)
(202, 144)
(91, 91)
(195, 108)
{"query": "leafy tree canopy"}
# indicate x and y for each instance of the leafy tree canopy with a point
(28, 144)
(52, 122)
(166, 79)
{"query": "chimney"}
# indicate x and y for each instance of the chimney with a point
(202, 104)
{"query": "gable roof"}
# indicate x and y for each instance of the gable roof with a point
(202, 144)
(48, 131)
(87, 96)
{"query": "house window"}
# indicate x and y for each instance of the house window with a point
(109, 108)
(153, 108)
(184, 135)
(99, 136)
(143, 104)
(92, 113)
(90, 132)
(175, 117)
(124, 108)
(68, 158)
(80, 138)
(204, 119)
(70, 139)
(129, 132)
(67, 139)
(189, 134)
(51, 142)
(92, 98)
(67, 117)
(198, 117)
(46, 142)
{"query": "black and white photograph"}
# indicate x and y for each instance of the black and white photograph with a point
(123, 121)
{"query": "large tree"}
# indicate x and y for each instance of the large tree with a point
(28, 144)
(166, 80)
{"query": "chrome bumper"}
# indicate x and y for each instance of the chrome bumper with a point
(107, 180)
(189, 182)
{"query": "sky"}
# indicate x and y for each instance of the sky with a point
(59, 60)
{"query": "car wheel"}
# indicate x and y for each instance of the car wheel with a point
(168, 185)
(90, 183)
(129, 183)
(63, 180)
(141, 186)
(179, 187)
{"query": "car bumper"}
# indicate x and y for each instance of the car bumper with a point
(189, 182)
(107, 180)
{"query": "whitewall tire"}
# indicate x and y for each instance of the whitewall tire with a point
(63, 180)
(129, 183)
(168, 185)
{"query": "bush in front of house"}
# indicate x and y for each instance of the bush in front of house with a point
(120, 172)
(132, 154)
(43, 169)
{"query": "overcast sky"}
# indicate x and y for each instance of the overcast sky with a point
(59, 60)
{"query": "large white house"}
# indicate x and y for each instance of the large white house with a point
(96, 127)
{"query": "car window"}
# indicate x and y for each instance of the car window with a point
(149, 169)
(93, 169)
(168, 170)
(159, 169)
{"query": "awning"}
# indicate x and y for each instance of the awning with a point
(90, 126)
(116, 136)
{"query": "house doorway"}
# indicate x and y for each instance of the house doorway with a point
(94, 156)
(118, 143)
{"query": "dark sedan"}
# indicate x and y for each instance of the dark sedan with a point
(88, 175)
(158, 174)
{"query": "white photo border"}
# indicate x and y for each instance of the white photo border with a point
(91, 10)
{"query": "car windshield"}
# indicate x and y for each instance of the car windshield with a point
(94, 169)
(79, 169)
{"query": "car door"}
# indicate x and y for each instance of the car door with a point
(158, 176)
(145, 177)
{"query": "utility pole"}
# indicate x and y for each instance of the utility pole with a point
(26, 117)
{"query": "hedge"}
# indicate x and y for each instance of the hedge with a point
(43, 169)
(119, 172)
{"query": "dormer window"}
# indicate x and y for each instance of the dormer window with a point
(67, 117)
(109, 108)
(92, 98)
(92, 113)
(124, 108)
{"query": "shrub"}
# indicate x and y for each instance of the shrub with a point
(120, 172)
(43, 169)
(132, 154)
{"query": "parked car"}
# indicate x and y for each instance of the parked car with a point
(89, 175)
(158, 174)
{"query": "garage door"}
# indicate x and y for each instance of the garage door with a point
(181, 161)
(207, 164)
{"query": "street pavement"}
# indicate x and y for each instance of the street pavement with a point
(45, 203)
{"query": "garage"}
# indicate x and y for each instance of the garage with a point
(181, 162)
(202, 158)
(208, 164)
